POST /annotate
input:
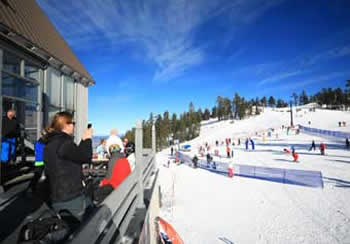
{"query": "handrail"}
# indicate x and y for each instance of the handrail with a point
(111, 221)
(97, 223)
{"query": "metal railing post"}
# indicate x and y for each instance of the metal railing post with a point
(139, 160)
(1, 112)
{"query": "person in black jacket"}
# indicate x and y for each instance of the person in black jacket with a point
(9, 133)
(63, 160)
(195, 161)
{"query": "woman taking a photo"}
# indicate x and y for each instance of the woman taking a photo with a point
(63, 160)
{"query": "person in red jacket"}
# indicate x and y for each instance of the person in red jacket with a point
(121, 171)
(295, 157)
(323, 148)
(228, 150)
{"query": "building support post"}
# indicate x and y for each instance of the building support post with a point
(139, 161)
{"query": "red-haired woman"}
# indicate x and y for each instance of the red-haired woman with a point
(63, 160)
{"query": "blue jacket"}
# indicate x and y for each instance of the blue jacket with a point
(39, 153)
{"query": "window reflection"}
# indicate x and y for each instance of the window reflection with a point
(30, 123)
(52, 112)
(11, 63)
(68, 93)
(31, 71)
(16, 87)
(54, 87)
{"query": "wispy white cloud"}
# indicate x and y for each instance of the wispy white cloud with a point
(328, 54)
(261, 69)
(165, 30)
(303, 64)
(298, 85)
(316, 79)
(279, 77)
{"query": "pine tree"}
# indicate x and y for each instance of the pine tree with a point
(130, 134)
(280, 103)
(214, 113)
(206, 114)
(236, 102)
(227, 108)
(272, 101)
(295, 98)
(174, 126)
(200, 114)
(147, 133)
(166, 128)
(303, 98)
(182, 128)
(220, 107)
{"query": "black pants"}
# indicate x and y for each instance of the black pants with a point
(37, 175)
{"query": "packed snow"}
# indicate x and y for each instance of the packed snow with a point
(205, 207)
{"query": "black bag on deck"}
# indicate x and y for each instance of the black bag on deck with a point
(47, 229)
(101, 193)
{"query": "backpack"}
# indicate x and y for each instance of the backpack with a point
(101, 193)
(48, 228)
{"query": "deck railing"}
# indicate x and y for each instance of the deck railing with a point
(126, 211)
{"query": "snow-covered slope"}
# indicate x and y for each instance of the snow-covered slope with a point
(204, 206)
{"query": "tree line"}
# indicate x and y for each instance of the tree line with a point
(186, 126)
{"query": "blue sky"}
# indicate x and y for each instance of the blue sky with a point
(156, 55)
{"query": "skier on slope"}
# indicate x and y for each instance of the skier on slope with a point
(208, 160)
(253, 144)
(195, 161)
(295, 156)
(292, 148)
(323, 148)
(313, 146)
(228, 151)
(230, 169)
(214, 165)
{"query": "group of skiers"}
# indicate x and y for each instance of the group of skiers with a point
(342, 124)
(205, 150)
(322, 147)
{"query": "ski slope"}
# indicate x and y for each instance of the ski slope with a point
(205, 207)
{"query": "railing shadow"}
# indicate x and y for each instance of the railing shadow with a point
(337, 182)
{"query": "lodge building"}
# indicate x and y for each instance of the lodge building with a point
(39, 73)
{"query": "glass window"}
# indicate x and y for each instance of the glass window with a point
(17, 87)
(54, 87)
(30, 121)
(11, 63)
(52, 112)
(68, 93)
(26, 114)
(31, 71)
